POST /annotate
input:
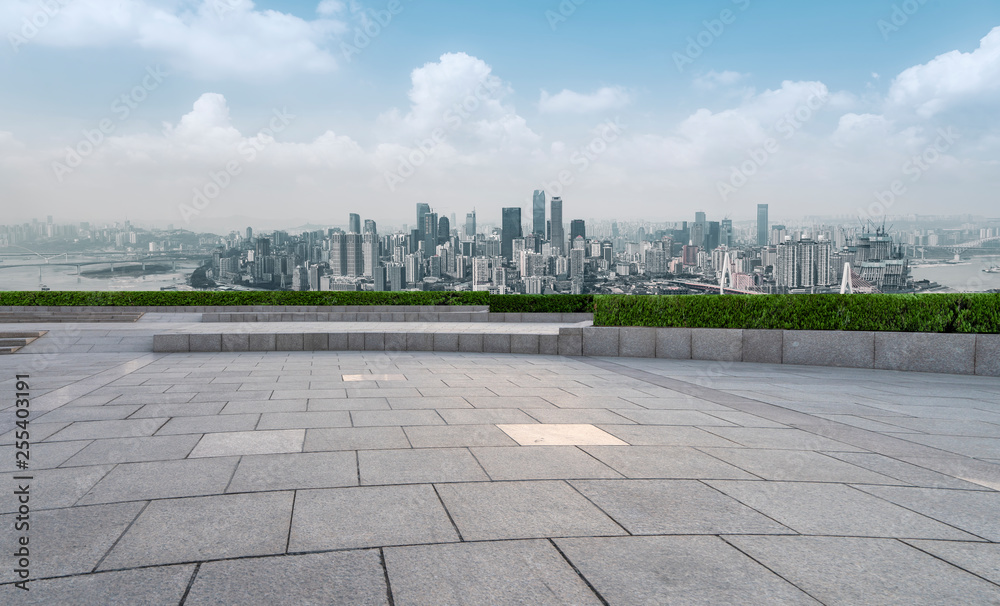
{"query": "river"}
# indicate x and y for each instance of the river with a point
(968, 276)
(63, 277)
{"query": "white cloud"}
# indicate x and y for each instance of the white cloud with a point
(950, 79)
(714, 79)
(572, 102)
(207, 38)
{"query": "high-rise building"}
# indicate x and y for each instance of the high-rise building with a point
(430, 233)
(414, 269)
(726, 233)
(470, 224)
(762, 230)
(370, 227)
(577, 229)
(355, 224)
(395, 276)
(443, 230)
(713, 237)
(576, 261)
(380, 282)
(369, 251)
(422, 210)
(556, 234)
(511, 230)
(338, 254)
(355, 255)
(538, 213)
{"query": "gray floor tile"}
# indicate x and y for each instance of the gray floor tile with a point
(355, 438)
(541, 463)
(675, 507)
(56, 488)
(161, 586)
(509, 402)
(972, 511)
(218, 423)
(494, 573)
(162, 480)
(377, 418)
(836, 510)
(199, 409)
(69, 414)
(295, 471)
(369, 516)
(795, 465)
(304, 420)
(793, 439)
(263, 406)
(676, 570)
(249, 443)
(457, 436)
(674, 417)
(69, 541)
(205, 528)
(563, 415)
(982, 559)
(134, 450)
(420, 466)
(664, 435)
(322, 578)
(866, 571)
(905, 472)
(427, 402)
(484, 416)
(321, 404)
(92, 430)
(665, 462)
(523, 510)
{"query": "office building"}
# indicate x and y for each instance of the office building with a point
(556, 235)
(576, 263)
(395, 276)
(538, 213)
(370, 253)
(355, 224)
(422, 210)
(370, 227)
(470, 224)
(338, 254)
(511, 230)
(577, 229)
(762, 229)
(430, 233)
(443, 230)
(355, 255)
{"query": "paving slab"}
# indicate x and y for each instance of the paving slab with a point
(92, 430)
(835, 510)
(676, 570)
(160, 586)
(69, 541)
(418, 466)
(369, 516)
(523, 510)
(345, 578)
(665, 462)
(837, 570)
(796, 465)
(162, 480)
(355, 438)
(249, 443)
(56, 488)
(487, 574)
(982, 559)
(457, 436)
(543, 434)
(205, 528)
(665, 435)
(682, 507)
(130, 450)
(970, 510)
(541, 463)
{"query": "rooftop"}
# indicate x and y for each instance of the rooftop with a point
(451, 478)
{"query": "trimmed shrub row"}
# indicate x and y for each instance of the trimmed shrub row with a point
(553, 304)
(949, 313)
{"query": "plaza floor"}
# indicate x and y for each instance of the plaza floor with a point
(433, 478)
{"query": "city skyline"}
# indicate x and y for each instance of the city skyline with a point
(715, 107)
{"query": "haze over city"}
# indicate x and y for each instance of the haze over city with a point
(296, 112)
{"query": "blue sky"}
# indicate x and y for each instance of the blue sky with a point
(874, 98)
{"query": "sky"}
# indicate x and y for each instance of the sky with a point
(203, 113)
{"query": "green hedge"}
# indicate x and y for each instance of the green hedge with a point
(554, 304)
(955, 313)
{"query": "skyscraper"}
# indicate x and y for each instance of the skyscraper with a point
(557, 236)
(370, 253)
(577, 228)
(443, 230)
(338, 254)
(762, 230)
(370, 227)
(511, 230)
(726, 235)
(355, 256)
(470, 224)
(355, 224)
(422, 210)
(430, 231)
(538, 213)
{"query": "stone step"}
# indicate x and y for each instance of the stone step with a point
(25, 317)
(11, 341)
(397, 316)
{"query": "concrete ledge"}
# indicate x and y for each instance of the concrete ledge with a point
(601, 341)
(673, 343)
(263, 342)
(524, 344)
(471, 343)
(496, 343)
(717, 344)
(548, 345)
(171, 343)
(923, 352)
(236, 342)
(829, 348)
(288, 342)
(636, 342)
(445, 342)
(988, 355)
(375, 341)
(762, 346)
(206, 343)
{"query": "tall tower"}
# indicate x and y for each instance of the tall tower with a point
(538, 213)
(762, 225)
(355, 256)
(443, 230)
(470, 224)
(422, 210)
(355, 224)
(558, 238)
(511, 230)
(577, 229)
(430, 233)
